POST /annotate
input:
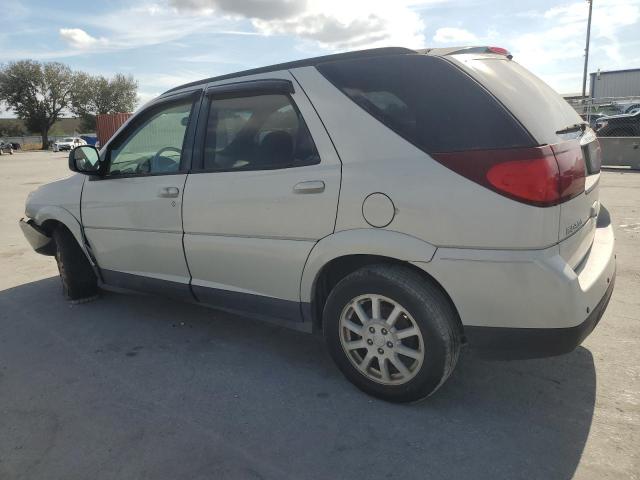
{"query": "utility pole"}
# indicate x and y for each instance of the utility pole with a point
(586, 53)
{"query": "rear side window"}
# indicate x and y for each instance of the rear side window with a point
(259, 132)
(428, 101)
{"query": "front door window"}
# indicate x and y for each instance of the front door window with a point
(155, 145)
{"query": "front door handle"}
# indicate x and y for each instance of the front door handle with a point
(313, 186)
(169, 192)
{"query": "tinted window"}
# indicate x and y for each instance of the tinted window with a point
(428, 101)
(155, 145)
(257, 133)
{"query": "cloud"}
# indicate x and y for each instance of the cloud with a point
(78, 38)
(135, 27)
(559, 39)
(332, 24)
(454, 35)
(263, 9)
(564, 27)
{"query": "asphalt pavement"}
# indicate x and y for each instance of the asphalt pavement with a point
(140, 387)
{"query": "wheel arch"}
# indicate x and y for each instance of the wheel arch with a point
(51, 217)
(336, 256)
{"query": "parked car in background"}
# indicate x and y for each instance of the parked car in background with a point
(68, 143)
(331, 194)
(623, 125)
(6, 147)
(90, 139)
(592, 118)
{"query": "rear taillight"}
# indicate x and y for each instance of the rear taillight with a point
(541, 176)
(572, 169)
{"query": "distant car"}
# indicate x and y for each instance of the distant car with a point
(624, 125)
(6, 147)
(68, 143)
(592, 118)
(631, 108)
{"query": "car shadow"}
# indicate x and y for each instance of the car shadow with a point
(148, 387)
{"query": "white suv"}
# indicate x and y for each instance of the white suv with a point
(404, 203)
(68, 143)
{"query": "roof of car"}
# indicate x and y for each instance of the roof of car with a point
(307, 62)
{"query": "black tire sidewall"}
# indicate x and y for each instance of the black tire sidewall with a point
(428, 316)
(78, 278)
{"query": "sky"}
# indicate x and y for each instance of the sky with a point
(165, 43)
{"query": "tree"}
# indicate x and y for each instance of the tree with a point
(11, 128)
(37, 92)
(97, 95)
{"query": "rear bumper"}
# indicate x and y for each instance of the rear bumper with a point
(525, 304)
(519, 343)
(38, 239)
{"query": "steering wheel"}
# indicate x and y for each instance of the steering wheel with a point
(165, 149)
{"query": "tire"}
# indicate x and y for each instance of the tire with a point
(426, 312)
(79, 281)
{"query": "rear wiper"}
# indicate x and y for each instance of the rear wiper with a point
(573, 128)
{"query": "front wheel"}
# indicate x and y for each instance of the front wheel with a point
(391, 332)
(79, 281)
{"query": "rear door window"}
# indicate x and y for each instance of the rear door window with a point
(428, 101)
(258, 132)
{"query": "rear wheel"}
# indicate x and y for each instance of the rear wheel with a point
(391, 332)
(79, 281)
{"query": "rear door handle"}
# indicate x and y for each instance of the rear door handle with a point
(313, 186)
(168, 192)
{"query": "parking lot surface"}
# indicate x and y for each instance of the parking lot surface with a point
(132, 386)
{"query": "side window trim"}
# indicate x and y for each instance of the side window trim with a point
(252, 87)
(187, 144)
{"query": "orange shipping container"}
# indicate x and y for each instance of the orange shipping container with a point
(107, 124)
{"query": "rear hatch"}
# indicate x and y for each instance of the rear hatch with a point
(552, 122)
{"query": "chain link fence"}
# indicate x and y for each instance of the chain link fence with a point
(610, 117)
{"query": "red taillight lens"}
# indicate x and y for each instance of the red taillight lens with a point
(535, 181)
(572, 169)
(499, 50)
(534, 176)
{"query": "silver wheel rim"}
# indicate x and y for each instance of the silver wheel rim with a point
(381, 339)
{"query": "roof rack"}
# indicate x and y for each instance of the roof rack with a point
(308, 62)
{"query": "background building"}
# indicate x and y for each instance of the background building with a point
(615, 83)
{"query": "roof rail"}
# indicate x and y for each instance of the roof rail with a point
(308, 62)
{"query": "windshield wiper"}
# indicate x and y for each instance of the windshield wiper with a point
(573, 128)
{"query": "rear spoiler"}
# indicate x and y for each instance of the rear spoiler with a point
(461, 50)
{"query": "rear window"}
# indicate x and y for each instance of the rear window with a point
(428, 101)
(535, 104)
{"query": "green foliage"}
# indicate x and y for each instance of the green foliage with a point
(37, 92)
(41, 93)
(12, 128)
(97, 95)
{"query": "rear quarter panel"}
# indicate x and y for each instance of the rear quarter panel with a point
(432, 202)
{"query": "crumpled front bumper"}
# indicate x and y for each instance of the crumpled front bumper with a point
(37, 238)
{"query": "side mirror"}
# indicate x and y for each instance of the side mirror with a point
(84, 159)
